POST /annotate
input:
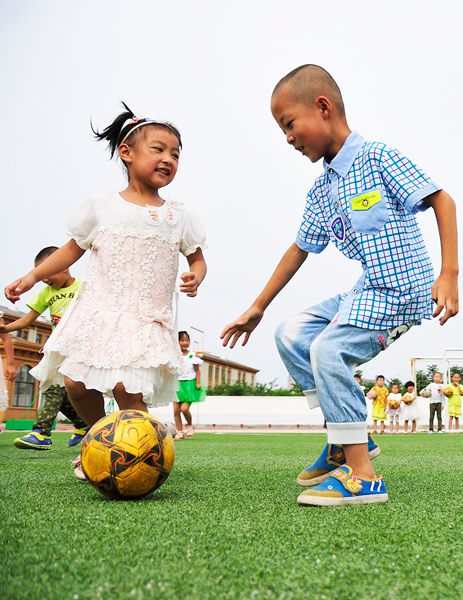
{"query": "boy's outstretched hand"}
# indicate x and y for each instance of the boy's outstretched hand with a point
(14, 290)
(445, 295)
(245, 324)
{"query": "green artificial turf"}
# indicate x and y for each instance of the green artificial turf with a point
(226, 525)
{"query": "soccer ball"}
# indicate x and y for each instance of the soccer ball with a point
(425, 393)
(372, 395)
(394, 404)
(407, 399)
(448, 391)
(127, 454)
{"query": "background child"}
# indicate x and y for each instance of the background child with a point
(454, 391)
(365, 203)
(118, 338)
(379, 403)
(61, 288)
(409, 408)
(190, 387)
(433, 391)
(393, 407)
(10, 371)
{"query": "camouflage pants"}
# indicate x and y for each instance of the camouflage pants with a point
(54, 400)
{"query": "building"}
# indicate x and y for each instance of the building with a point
(23, 393)
(216, 370)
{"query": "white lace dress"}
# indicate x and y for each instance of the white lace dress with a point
(121, 327)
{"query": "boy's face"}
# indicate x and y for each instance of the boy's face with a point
(57, 280)
(437, 378)
(380, 382)
(410, 389)
(306, 127)
(456, 378)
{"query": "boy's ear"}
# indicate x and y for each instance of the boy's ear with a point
(325, 105)
(125, 153)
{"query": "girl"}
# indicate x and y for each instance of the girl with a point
(117, 338)
(10, 371)
(454, 392)
(393, 407)
(409, 406)
(190, 387)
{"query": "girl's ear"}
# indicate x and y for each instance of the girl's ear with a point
(125, 153)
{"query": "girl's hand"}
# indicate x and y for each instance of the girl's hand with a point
(198, 386)
(190, 284)
(10, 373)
(445, 295)
(246, 324)
(18, 287)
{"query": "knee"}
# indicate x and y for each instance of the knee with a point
(185, 407)
(286, 333)
(74, 388)
(319, 353)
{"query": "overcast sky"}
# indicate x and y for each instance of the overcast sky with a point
(210, 67)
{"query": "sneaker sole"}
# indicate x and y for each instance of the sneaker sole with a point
(26, 446)
(311, 482)
(72, 444)
(324, 501)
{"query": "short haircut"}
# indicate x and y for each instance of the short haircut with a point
(182, 334)
(409, 384)
(308, 82)
(380, 377)
(45, 252)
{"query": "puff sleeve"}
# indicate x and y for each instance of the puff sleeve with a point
(83, 224)
(193, 234)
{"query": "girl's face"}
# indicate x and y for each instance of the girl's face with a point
(184, 343)
(437, 378)
(456, 378)
(395, 389)
(152, 159)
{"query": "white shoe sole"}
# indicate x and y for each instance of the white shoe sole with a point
(309, 483)
(325, 501)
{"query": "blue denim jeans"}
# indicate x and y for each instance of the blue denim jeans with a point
(322, 356)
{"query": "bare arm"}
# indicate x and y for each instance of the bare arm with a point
(198, 376)
(289, 264)
(193, 279)
(445, 288)
(60, 260)
(10, 371)
(21, 323)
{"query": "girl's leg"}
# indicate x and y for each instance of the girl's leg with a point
(177, 416)
(185, 408)
(457, 423)
(127, 401)
(391, 425)
(406, 426)
(375, 429)
(413, 426)
(397, 425)
(383, 426)
(89, 404)
(450, 423)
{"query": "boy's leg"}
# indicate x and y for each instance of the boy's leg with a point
(80, 426)
(39, 438)
(432, 411)
(439, 415)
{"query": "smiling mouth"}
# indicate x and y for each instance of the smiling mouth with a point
(165, 172)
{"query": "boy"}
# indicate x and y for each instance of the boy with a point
(364, 203)
(379, 403)
(434, 392)
(455, 392)
(56, 296)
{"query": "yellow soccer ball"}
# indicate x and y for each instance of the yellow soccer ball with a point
(127, 454)
(407, 399)
(394, 404)
(448, 391)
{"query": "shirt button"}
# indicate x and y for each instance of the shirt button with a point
(330, 170)
(355, 290)
(336, 205)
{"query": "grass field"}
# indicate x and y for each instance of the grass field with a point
(226, 525)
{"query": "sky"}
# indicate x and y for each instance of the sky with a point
(210, 67)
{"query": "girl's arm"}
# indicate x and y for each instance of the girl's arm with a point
(193, 279)
(60, 260)
(21, 323)
(289, 264)
(445, 288)
(10, 371)
(198, 376)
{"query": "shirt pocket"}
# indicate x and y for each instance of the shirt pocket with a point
(368, 211)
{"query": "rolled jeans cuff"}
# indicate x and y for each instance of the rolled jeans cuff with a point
(347, 433)
(312, 398)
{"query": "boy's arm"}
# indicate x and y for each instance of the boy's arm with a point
(56, 262)
(445, 288)
(289, 264)
(19, 323)
(10, 371)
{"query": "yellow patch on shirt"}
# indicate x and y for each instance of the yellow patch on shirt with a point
(366, 200)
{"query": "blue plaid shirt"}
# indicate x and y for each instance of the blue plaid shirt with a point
(365, 203)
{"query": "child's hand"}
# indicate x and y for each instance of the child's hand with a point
(10, 373)
(18, 287)
(190, 284)
(198, 386)
(2, 324)
(445, 295)
(246, 324)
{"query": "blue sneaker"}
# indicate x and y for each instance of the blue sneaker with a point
(331, 458)
(344, 487)
(77, 436)
(33, 441)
